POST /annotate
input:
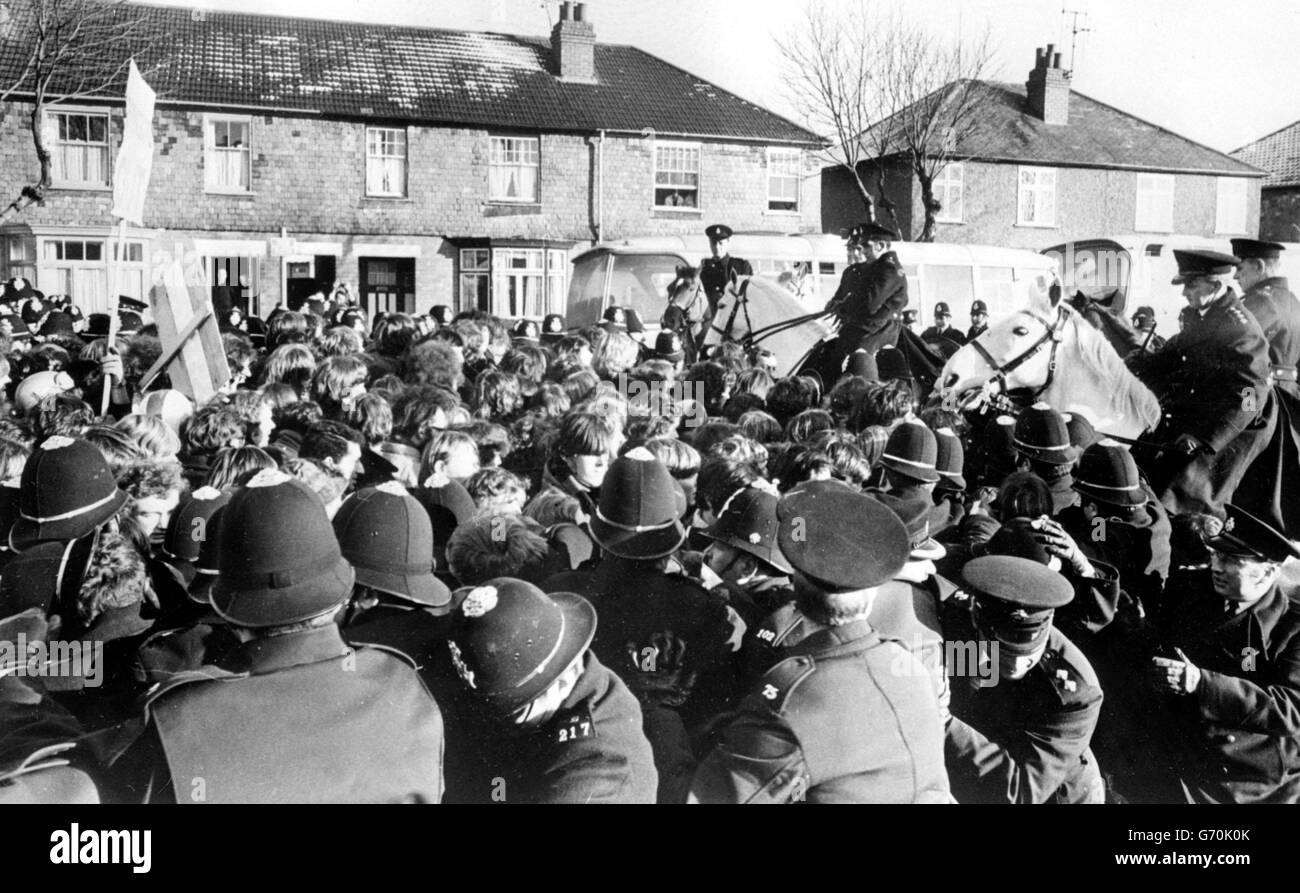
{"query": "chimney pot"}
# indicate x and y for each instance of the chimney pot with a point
(573, 44)
(1047, 91)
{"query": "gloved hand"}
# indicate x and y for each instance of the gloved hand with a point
(1059, 543)
(1174, 676)
(1189, 445)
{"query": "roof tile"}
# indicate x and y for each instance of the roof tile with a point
(350, 69)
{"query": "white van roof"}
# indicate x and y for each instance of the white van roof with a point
(826, 245)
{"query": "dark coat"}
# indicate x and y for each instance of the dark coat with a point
(1236, 739)
(592, 751)
(872, 295)
(952, 333)
(716, 273)
(848, 717)
(296, 718)
(1212, 380)
(1022, 740)
(1277, 310)
(1138, 551)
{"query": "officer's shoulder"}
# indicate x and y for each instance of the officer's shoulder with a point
(1069, 672)
(1235, 311)
(372, 649)
(188, 680)
(778, 685)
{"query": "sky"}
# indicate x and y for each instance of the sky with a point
(1222, 74)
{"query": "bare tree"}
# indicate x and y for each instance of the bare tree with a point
(884, 88)
(73, 49)
(829, 75)
(935, 92)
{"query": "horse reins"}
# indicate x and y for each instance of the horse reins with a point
(1051, 333)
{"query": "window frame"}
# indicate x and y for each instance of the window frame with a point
(209, 132)
(493, 140)
(1165, 223)
(787, 151)
(1218, 206)
(405, 158)
(53, 143)
(943, 180)
(698, 149)
(1037, 188)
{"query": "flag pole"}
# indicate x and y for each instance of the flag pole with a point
(114, 283)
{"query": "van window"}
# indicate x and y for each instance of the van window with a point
(948, 282)
(641, 281)
(998, 289)
(586, 291)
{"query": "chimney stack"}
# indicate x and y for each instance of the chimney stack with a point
(573, 41)
(1048, 88)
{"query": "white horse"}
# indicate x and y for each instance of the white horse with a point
(1060, 359)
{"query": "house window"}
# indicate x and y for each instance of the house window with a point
(1230, 211)
(1036, 201)
(677, 175)
(475, 278)
(1155, 203)
(784, 170)
(513, 170)
(227, 157)
(386, 162)
(19, 257)
(947, 188)
(78, 267)
(78, 144)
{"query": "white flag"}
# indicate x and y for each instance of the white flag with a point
(135, 158)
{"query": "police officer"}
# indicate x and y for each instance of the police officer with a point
(1212, 382)
(1277, 310)
(1228, 675)
(666, 636)
(720, 269)
(868, 302)
(979, 320)
(539, 719)
(943, 327)
(1144, 320)
(847, 716)
(294, 714)
(1042, 440)
(1025, 700)
(1268, 298)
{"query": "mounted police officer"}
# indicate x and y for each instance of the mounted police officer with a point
(1228, 675)
(1212, 381)
(1268, 298)
(720, 269)
(847, 716)
(294, 714)
(869, 302)
(1024, 715)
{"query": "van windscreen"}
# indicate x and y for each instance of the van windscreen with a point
(641, 281)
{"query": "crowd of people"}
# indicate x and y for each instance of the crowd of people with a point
(438, 558)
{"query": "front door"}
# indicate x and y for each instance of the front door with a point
(387, 284)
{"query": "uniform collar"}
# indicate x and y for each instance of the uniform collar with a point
(309, 646)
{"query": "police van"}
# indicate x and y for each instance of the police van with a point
(1127, 272)
(636, 273)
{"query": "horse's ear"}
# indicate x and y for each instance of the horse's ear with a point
(1054, 292)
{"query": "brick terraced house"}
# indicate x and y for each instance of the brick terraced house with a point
(424, 166)
(1044, 164)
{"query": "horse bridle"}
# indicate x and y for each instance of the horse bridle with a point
(1052, 333)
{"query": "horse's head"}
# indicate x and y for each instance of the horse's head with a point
(1016, 352)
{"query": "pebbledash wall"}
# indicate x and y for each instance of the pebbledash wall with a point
(1090, 203)
(308, 199)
